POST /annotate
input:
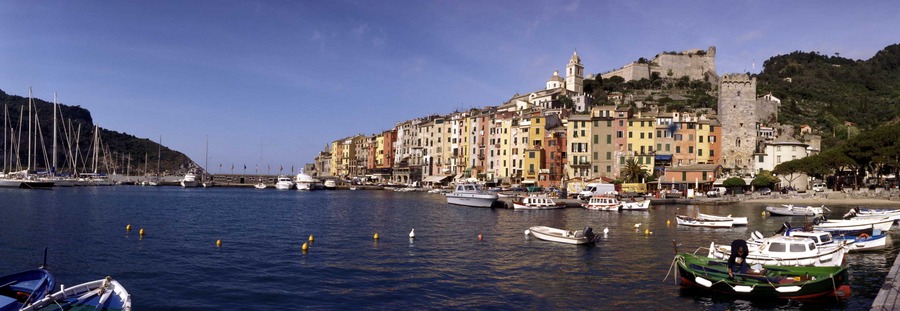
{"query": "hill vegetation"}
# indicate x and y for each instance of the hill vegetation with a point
(119, 152)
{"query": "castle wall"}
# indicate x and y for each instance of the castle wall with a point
(688, 63)
(738, 115)
(632, 71)
(767, 111)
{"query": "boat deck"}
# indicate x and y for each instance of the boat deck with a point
(889, 296)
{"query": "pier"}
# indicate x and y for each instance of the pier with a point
(889, 294)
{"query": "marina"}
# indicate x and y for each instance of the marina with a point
(260, 263)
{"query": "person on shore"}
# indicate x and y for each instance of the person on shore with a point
(737, 262)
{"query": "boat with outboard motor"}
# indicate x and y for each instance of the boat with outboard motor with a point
(787, 251)
(791, 210)
(470, 194)
(763, 281)
(583, 236)
(703, 222)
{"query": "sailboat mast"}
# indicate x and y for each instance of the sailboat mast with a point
(206, 162)
(158, 155)
(55, 103)
(29, 130)
(5, 137)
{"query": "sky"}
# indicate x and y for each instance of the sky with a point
(274, 82)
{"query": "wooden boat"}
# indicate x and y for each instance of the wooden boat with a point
(778, 282)
(791, 210)
(882, 224)
(470, 194)
(561, 235)
(786, 251)
(635, 206)
(602, 203)
(736, 221)
(861, 242)
(102, 294)
(703, 222)
(537, 202)
(20, 289)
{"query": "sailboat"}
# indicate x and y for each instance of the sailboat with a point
(155, 181)
(205, 180)
(260, 184)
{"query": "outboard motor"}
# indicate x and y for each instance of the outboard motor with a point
(589, 233)
(756, 236)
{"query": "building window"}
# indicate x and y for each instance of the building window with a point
(690, 149)
(700, 152)
(608, 139)
(677, 149)
(683, 176)
(712, 153)
(762, 158)
(609, 155)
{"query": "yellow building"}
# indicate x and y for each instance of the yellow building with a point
(579, 132)
(640, 139)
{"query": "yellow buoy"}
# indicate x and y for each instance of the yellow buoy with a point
(376, 235)
(304, 247)
(142, 232)
(764, 213)
(218, 243)
(128, 227)
(668, 222)
(647, 231)
(311, 238)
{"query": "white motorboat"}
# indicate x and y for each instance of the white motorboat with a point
(189, 180)
(469, 194)
(305, 182)
(537, 202)
(561, 235)
(103, 294)
(736, 221)
(602, 203)
(284, 183)
(330, 184)
(786, 251)
(703, 222)
(635, 205)
(791, 210)
(260, 185)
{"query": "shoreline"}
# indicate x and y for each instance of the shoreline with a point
(823, 201)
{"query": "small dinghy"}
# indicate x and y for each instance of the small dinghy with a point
(561, 235)
(102, 294)
(20, 289)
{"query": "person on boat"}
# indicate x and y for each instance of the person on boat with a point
(737, 262)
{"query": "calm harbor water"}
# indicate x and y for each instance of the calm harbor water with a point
(177, 266)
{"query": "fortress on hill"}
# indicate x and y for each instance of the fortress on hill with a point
(695, 63)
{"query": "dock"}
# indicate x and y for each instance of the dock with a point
(889, 294)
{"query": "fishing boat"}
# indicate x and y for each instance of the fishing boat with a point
(102, 294)
(20, 289)
(470, 194)
(786, 251)
(537, 202)
(635, 205)
(767, 282)
(602, 203)
(736, 221)
(703, 222)
(791, 210)
(561, 235)
(284, 183)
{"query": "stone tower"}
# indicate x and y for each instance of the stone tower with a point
(739, 118)
(575, 74)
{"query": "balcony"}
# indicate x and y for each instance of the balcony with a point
(580, 164)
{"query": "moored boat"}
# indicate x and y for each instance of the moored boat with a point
(791, 210)
(787, 251)
(305, 182)
(562, 235)
(602, 203)
(703, 222)
(635, 205)
(470, 194)
(284, 183)
(189, 180)
(537, 202)
(736, 221)
(769, 282)
(23, 288)
(103, 294)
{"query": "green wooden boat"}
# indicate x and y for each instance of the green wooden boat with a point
(780, 282)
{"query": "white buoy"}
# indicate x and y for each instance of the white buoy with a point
(637, 225)
(527, 232)
(412, 233)
(606, 230)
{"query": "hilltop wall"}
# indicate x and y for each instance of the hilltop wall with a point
(696, 64)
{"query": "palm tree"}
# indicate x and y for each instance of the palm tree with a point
(633, 172)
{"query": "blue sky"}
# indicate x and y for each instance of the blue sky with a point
(291, 76)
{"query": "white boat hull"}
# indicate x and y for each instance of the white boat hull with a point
(105, 294)
(473, 200)
(559, 235)
(190, 183)
(635, 206)
(735, 221)
(706, 223)
(831, 256)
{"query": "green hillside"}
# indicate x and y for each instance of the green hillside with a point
(828, 91)
(116, 149)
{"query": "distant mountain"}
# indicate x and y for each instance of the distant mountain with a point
(825, 91)
(76, 128)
